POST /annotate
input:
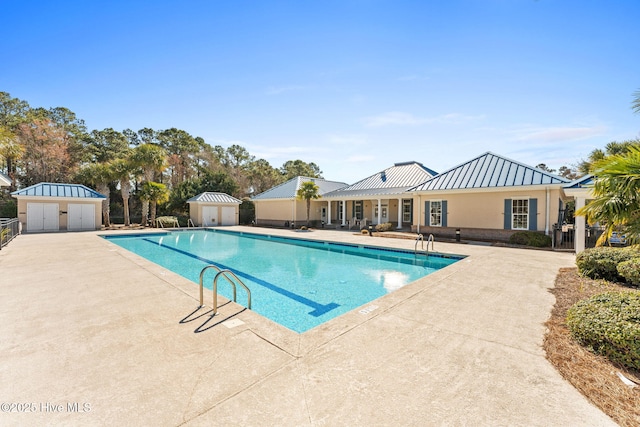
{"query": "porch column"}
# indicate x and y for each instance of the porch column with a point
(399, 213)
(580, 226)
(344, 212)
(329, 213)
(379, 210)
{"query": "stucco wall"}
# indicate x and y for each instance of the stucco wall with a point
(485, 210)
(195, 212)
(63, 207)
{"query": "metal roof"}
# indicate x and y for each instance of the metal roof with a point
(288, 189)
(393, 180)
(489, 171)
(214, 197)
(5, 181)
(585, 181)
(48, 189)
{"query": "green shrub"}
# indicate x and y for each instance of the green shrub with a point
(530, 238)
(630, 270)
(384, 227)
(609, 323)
(602, 262)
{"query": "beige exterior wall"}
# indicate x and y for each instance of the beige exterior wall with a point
(63, 207)
(195, 212)
(277, 212)
(485, 210)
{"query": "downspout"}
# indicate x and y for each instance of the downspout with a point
(547, 213)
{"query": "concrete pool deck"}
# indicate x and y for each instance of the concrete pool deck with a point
(95, 335)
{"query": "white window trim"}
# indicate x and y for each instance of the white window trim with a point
(430, 217)
(513, 213)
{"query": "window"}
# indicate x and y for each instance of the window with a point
(357, 207)
(435, 214)
(407, 206)
(520, 214)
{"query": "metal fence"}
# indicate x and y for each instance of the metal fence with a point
(564, 236)
(9, 229)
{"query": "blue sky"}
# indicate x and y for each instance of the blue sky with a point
(352, 85)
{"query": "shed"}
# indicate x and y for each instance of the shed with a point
(212, 208)
(53, 207)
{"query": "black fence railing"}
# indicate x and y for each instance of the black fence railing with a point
(9, 229)
(564, 236)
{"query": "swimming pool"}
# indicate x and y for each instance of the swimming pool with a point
(297, 283)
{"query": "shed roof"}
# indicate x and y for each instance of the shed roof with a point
(489, 170)
(214, 197)
(287, 190)
(393, 180)
(48, 189)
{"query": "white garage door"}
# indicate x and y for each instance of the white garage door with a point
(228, 215)
(81, 216)
(209, 216)
(43, 217)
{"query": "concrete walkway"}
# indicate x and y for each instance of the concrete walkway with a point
(94, 335)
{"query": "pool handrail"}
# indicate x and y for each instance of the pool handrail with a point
(420, 238)
(225, 273)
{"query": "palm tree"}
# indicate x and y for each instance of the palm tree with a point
(617, 192)
(99, 175)
(155, 193)
(122, 170)
(308, 190)
(152, 159)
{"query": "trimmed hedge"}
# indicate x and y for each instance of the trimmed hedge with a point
(609, 323)
(602, 262)
(630, 270)
(530, 238)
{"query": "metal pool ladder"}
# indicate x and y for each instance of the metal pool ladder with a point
(420, 238)
(231, 278)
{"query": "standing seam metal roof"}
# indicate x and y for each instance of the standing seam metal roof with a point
(48, 189)
(287, 190)
(489, 171)
(395, 179)
(214, 197)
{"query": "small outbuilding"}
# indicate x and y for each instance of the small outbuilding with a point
(211, 208)
(53, 207)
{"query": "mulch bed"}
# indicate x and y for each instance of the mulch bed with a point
(594, 376)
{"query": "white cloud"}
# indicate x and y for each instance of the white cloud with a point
(360, 158)
(398, 118)
(559, 134)
(347, 139)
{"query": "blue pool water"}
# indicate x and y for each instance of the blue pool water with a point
(297, 283)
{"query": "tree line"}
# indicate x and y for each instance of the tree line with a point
(136, 169)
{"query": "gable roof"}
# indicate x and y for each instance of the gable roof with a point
(395, 179)
(214, 197)
(489, 170)
(287, 190)
(585, 181)
(48, 189)
(5, 181)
